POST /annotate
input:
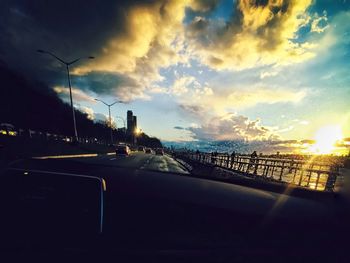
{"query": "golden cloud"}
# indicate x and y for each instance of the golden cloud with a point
(155, 37)
(152, 39)
(262, 36)
(220, 102)
(88, 111)
(203, 5)
(264, 95)
(232, 127)
(149, 37)
(77, 94)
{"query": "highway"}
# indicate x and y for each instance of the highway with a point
(137, 160)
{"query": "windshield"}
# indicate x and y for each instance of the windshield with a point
(244, 76)
(242, 93)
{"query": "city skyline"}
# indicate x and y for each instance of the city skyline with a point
(198, 70)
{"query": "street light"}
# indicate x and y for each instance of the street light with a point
(67, 64)
(109, 112)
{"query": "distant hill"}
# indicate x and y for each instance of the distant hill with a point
(30, 104)
(147, 141)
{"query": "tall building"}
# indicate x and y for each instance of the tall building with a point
(129, 121)
(134, 120)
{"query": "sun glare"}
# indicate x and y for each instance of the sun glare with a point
(325, 139)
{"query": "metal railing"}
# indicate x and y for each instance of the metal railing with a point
(33, 134)
(310, 174)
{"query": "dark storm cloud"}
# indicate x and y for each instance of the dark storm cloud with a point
(103, 82)
(70, 29)
(179, 128)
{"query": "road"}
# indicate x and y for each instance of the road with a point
(137, 160)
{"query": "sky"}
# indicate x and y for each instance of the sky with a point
(261, 71)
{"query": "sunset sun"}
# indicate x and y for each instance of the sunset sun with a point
(325, 139)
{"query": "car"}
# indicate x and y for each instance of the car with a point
(141, 149)
(159, 151)
(122, 150)
(7, 129)
(148, 150)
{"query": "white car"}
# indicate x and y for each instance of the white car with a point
(122, 150)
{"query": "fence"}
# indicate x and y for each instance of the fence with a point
(53, 137)
(309, 174)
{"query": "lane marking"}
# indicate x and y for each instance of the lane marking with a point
(66, 156)
(85, 155)
(113, 159)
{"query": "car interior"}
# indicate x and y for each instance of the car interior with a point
(132, 214)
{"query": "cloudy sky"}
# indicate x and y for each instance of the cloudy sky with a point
(193, 69)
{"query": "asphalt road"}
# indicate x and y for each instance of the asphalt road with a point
(137, 160)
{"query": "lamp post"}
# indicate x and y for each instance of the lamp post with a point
(118, 117)
(109, 112)
(67, 64)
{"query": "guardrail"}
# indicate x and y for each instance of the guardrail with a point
(32, 134)
(309, 174)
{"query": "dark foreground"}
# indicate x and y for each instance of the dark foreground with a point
(153, 211)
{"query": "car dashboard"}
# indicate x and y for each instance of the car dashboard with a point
(84, 210)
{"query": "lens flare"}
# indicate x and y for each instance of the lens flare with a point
(325, 139)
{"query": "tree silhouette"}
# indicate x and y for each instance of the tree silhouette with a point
(29, 104)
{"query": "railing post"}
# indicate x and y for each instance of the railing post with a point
(282, 169)
(317, 179)
(311, 166)
(248, 167)
(256, 165)
(301, 177)
(273, 168)
(295, 173)
(332, 177)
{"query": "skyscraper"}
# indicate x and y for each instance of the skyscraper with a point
(129, 121)
(134, 121)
